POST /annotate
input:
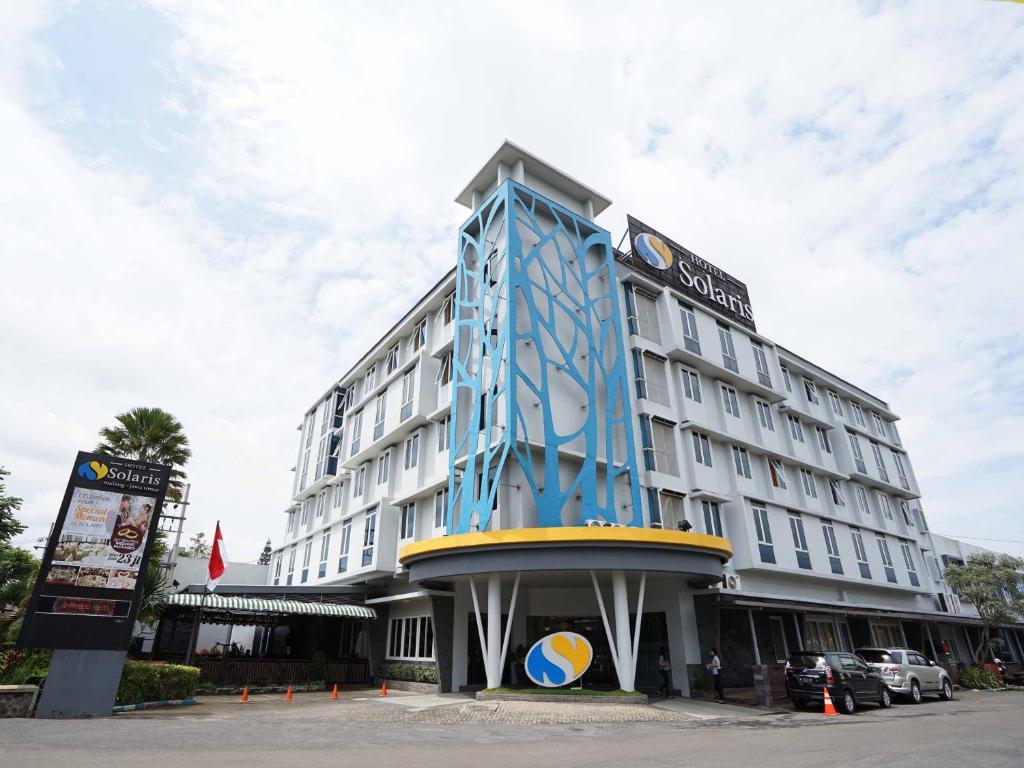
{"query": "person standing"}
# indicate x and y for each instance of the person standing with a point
(665, 670)
(715, 665)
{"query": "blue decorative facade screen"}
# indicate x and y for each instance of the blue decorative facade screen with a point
(539, 399)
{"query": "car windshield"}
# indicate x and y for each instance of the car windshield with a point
(876, 657)
(807, 660)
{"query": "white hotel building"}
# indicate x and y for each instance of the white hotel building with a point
(760, 503)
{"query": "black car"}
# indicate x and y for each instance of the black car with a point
(849, 679)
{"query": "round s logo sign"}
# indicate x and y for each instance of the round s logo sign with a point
(653, 250)
(558, 659)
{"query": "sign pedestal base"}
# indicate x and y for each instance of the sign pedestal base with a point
(81, 684)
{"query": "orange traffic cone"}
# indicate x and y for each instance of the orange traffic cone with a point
(384, 688)
(288, 695)
(245, 695)
(830, 710)
(334, 693)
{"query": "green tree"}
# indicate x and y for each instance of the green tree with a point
(9, 526)
(198, 547)
(266, 554)
(149, 434)
(993, 583)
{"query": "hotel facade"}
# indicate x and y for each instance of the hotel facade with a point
(568, 432)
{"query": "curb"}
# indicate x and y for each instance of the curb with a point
(154, 705)
(562, 698)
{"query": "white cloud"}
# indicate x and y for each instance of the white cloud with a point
(862, 172)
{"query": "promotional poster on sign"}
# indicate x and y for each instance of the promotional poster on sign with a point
(100, 543)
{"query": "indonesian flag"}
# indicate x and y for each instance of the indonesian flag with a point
(218, 560)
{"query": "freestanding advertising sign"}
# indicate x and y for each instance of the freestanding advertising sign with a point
(92, 572)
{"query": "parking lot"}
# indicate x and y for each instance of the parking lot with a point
(975, 729)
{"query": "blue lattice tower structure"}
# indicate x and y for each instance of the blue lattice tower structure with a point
(540, 406)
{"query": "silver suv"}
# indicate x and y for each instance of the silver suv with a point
(909, 673)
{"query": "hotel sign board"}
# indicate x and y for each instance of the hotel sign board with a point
(90, 580)
(669, 263)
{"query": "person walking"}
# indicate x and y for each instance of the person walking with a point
(715, 665)
(665, 670)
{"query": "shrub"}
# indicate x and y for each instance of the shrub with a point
(978, 677)
(20, 666)
(147, 681)
(412, 673)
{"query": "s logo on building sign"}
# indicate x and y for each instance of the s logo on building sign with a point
(558, 659)
(92, 470)
(652, 250)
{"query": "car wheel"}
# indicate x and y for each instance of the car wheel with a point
(799, 704)
(847, 702)
(915, 692)
(946, 694)
(885, 697)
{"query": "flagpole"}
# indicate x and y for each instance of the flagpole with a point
(199, 616)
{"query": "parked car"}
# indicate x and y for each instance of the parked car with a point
(909, 673)
(850, 680)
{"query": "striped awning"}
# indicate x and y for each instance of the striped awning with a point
(262, 605)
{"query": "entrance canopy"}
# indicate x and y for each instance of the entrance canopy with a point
(214, 603)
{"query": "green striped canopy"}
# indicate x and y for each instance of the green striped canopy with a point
(261, 605)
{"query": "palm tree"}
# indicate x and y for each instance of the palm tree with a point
(149, 434)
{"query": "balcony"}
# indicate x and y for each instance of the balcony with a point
(676, 350)
(882, 485)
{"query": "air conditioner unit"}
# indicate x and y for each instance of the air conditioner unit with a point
(732, 582)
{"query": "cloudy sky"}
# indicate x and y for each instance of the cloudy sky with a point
(215, 207)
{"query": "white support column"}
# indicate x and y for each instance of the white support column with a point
(604, 620)
(508, 624)
(493, 652)
(620, 601)
(639, 621)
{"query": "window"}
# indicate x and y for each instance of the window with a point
(777, 474)
(728, 350)
(858, 414)
(441, 509)
(408, 387)
(444, 428)
(346, 539)
(807, 479)
(357, 428)
(761, 362)
(307, 505)
(380, 410)
(412, 450)
(447, 311)
(862, 500)
(321, 504)
(646, 307)
(883, 550)
(291, 562)
(663, 447)
(730, 401)
(418, 340)
(383, 467)
(691, 384)
(671, 509)
(741, 460)
(307, 553)
(811, 391)
(444, 371)
(712, 518)
(407, 526)
(876, 421)
(655, 378)
(391, 361)
(764, 533)
(371, 379)
(796, 527)
(860, 552)
(883, 504)
(831, 546)
(901, 471)
(325, 546)
(691, 340)
(338, 495)
(879, 463)
(905, 509)
(359, 482)
(836, 403)
(908, 560)
(796, 429)
(858, 457)
(277, 569)
(785, 378)
(369, 534)
(838, 497)
(823, 440)
(701, 449)
(893, 434)
(411, 638)
(308, 431)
